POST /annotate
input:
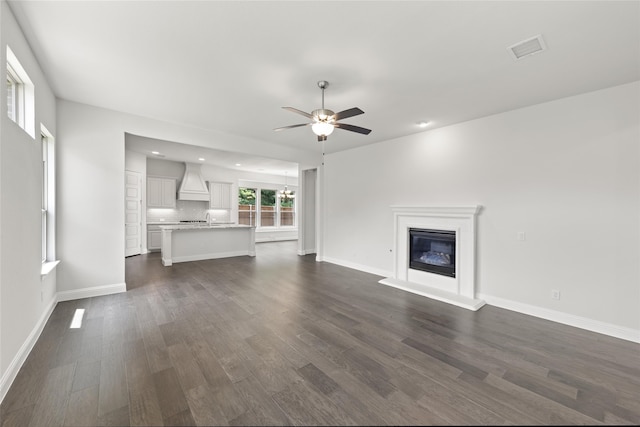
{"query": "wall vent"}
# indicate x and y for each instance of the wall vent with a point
(527, 47)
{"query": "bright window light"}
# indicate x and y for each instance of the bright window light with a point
(76, 323)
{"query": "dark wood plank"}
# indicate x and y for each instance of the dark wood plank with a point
(52, 402)
(82, 409)
(204, 406)
(113, 386)
(262, 410)
(170, 396)
(144, 406)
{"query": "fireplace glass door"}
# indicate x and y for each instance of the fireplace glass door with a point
(433, 251)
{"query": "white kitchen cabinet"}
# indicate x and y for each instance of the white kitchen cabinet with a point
(219, 195)
(161, 192)
(154, 240)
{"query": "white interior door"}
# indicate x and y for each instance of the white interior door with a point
(132, 213)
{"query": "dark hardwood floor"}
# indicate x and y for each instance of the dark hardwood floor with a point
(282, 339)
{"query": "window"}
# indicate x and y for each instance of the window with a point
(14, 89)
(48, 196)
(247, 206)
(287, 210)
(45, 195)
(267, 208)
(264, 207)
(20, 95)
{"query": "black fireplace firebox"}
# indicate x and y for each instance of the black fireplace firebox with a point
(433, 251)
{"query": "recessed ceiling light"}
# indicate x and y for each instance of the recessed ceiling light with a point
(238, 164)
(155, 152)
(201, 159)
(423, 124)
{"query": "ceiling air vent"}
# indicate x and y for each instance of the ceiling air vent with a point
(527, 47)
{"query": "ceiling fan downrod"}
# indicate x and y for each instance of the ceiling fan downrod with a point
(323, 84)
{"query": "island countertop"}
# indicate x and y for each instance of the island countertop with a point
(203, 226)
(194, 242)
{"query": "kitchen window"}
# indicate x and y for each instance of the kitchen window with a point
(247, 206)
(288, 211)
(265, 208)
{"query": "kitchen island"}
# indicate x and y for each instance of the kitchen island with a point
(188, 242)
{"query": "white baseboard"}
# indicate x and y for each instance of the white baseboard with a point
(306, 251)
(14, 367)
(616, 331)
(95, 291)
(261, 239)
(216, 255)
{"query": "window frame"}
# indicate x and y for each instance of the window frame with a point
(22, 91)
(258, 209)
(45, 196)
(253, 212)
(15, 95)
(294, 212)
(48, 201)
(274, 212)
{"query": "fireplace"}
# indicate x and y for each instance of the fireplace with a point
(433, 251)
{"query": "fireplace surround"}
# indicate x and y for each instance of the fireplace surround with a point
(453, 241)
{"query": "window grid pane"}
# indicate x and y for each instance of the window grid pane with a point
(288, 211)
(247, 206)
(11, 97)
(267, 208)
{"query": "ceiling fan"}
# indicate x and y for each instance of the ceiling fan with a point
(324, 121)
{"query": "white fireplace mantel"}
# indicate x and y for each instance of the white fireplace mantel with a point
(459, 290)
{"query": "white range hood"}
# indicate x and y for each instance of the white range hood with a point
(193, 186)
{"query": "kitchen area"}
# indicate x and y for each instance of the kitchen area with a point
(191, 210)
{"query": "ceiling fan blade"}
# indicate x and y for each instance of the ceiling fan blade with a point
(291, 126)
(295, 110)
(355, 111)
(353, 128)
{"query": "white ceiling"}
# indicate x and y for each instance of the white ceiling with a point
(231, 66)
(170, 150)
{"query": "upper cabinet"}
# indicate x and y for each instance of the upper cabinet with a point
(161, 192)
(219, 195)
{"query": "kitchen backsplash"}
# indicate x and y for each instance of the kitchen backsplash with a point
(187, 210)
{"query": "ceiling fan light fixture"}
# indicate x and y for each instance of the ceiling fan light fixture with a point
(322, 128)
(324, 121)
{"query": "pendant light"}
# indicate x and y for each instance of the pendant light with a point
(286, 194)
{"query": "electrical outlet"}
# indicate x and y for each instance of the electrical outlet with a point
(521, 236)
(555, 294)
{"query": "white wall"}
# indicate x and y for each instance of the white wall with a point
(25, 300)
(565, 172)
(307, 206)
